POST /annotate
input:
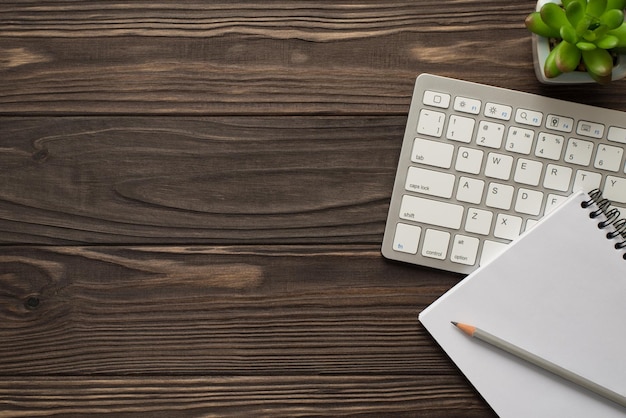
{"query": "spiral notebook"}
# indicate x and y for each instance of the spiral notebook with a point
(559, 291)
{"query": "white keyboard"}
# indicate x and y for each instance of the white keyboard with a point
(479, 165)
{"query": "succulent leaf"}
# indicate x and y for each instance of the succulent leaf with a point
(554, 16)
(567, 57)
(613, 18)
(582, 3)
(606, 79)
(607, 42)
(616, 4)
(596, 8)
(583, 25)
(586, 46)
(575, 12)
(550, 68)
(535, 24)
(598, 61)
(620, 34)
(600, 32)
(568, 34)
(589, 36)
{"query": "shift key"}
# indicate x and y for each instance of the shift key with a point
(431, 212)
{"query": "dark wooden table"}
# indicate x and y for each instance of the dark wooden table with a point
(193, 196)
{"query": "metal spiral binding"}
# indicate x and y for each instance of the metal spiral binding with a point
(612, 217)
(595, 195)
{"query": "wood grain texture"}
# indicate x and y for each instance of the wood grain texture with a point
(231, 330)
(197, 180)
(137, 310)
(167, 397)
(303, 57)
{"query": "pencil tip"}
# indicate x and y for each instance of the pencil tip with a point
(468, 329)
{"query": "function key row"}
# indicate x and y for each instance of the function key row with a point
(524, 116)
(468, 105)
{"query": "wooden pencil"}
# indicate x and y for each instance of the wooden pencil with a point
(498, 342)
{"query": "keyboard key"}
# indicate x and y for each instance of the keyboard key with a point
(615, 189)
(559, 123)
(586, 181)
(431, 212)
(549, 146)
(499, 166)
(431, 123)
(406, 238)
(467, 105)
(436, 244)
(464, 250)
(553, 202)
(528, 117)
(609, 158)
(490, 134)
(617, 134)
(528, 172)
(557, 177)
(429, 182)
(500, 196)
(469, 160)
(470, 190)
(436, 99)
(460, 129)
(529, 201)
(578, 152)
(478, 221)
(520, 140)
(507, 226)
(433, 153)
(590, 129)
(498, 111)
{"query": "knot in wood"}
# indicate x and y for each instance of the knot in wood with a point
(32, 302)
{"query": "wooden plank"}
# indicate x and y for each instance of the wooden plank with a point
(311, 20)
(201, 58)
(197, 180)
(230, 74)
(214, 311)
(174, 331)
(166, 396)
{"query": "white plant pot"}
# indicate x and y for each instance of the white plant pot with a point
(541, 49)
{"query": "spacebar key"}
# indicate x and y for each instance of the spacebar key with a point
(431, 212)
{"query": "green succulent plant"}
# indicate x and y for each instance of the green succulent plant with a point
(585, 32)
